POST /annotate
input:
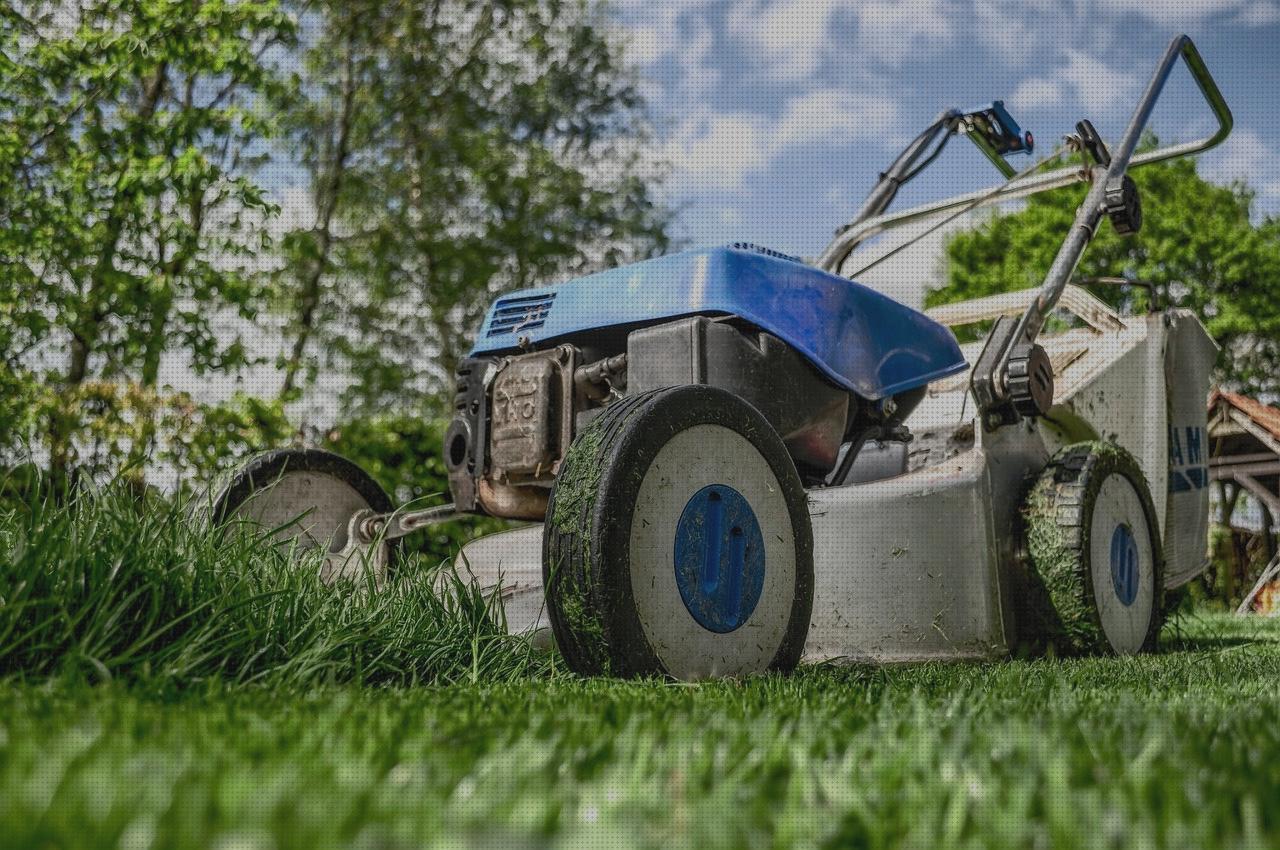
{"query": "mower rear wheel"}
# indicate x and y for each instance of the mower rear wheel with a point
(304, 500)
(1096, 568)
(678, 541)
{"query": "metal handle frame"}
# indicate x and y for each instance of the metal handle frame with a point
(1093, 208)
(1122, 159)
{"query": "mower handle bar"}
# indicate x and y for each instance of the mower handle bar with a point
(1107, 177)
(1121, 159)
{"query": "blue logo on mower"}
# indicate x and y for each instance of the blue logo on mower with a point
(719, 558)
(1124, 565)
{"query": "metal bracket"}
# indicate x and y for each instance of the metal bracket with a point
(361, 554)
(401, 523)
(1153, 295)
(1092, 144)
(369, 533)
(988, 382)
(995, 133)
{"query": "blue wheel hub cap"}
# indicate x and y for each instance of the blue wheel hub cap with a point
(719, 558)
(1124, 565)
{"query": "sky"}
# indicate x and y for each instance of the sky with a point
(774, 117)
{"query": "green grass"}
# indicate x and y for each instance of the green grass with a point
(165, 688)
(1176, 750)
(111, 588)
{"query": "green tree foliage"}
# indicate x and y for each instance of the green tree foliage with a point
(450, 150)
(455, 149)
(128, 220)
(1199, 246)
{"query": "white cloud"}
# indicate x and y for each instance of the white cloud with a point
(832, 116)
(1092, 81)
(788, 35)
(1240, 155)
(718, 150)
(1020, 32)
(650, 32)
(896, 30)
(793, 38)
(1246, 156)
(1037, 93)
(645, 45)
(1015, 30)
(1260, 14)
(1097, 82)
(642, 8)
(697, 75)
(1177, 14)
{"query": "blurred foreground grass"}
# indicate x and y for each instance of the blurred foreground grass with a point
(112, 587)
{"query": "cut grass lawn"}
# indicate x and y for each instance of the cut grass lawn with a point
(165, 687)
(1176, 750)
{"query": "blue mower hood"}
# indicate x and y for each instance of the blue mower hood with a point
(860, 339)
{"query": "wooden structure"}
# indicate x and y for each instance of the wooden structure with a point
(1244, 452)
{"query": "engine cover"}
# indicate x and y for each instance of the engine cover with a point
(513, 421)
(859, 339)
(531, 423)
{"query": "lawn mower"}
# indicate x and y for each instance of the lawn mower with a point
(730, 459)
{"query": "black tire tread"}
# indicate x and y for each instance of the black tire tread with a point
(566, 553)
(577, 596)
(263, 468)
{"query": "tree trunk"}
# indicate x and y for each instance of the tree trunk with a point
(93, 310)
(327, 194)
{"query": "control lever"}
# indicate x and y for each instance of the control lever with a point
(1093, 144)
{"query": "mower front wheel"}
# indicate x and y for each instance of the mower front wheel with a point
(678, 542)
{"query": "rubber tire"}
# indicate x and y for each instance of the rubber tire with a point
(586, 546)
(262, 469)
(1058, 610)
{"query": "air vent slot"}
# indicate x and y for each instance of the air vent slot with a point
(768, 252)
(520, 313)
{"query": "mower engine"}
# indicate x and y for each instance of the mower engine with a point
(515, 416)
(545, 368)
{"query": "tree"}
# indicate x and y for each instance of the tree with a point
(451, 149)
(455, 149)
(127, 216)
(1198, 245)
